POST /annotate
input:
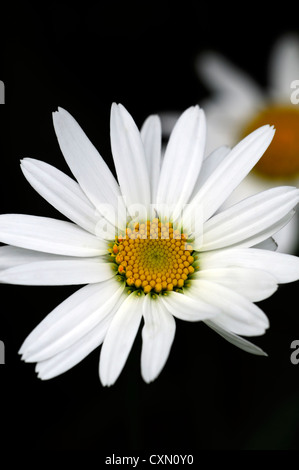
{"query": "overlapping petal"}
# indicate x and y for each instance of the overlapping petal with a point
(86, 164)
(70, 357)
(129, 158)
(228, 174)
(284, 267)
(250, 221)
(119, 338)
(62, 192)
(209, 165)
(151, 135)
(182, 160)
(157, 338)
(188, 308)
(235, 339)
(237, 314)
(71, 320)
(254, 284)
(49, 235)
(59, 272)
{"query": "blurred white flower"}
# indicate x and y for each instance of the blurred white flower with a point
(239, 105)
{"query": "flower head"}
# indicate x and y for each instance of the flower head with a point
(239, 105)
(150, 247)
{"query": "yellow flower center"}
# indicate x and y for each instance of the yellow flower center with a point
(153, 257)
(281, 159)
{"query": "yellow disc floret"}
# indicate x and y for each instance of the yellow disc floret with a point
(153, 257)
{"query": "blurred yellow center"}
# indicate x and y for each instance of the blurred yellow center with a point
(281, 159)
(153, 257)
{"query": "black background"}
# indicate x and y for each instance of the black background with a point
(211, 395)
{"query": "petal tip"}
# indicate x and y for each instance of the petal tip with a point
(61, 110)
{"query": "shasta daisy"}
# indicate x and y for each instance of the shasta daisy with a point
(151, 267)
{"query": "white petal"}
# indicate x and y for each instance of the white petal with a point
(254, 217)
(286, 238)
(285, 268)
(235, 339)
(85, 162)
(183, 159)
(71, 320)
(157, 338)
(252, 240)
(284, 66)
(237, 313)
(71, 356)
(11, 256)
(129, 157)
(59, 272)
(229, 174)
(209, 165)
(254, 284)
(119, 339)
(226, 79)
(49, 235)
(151, 135)
(62, 192)
(188, 307)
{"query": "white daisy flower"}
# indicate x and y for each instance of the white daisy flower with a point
(152, 268)
(239, 105)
